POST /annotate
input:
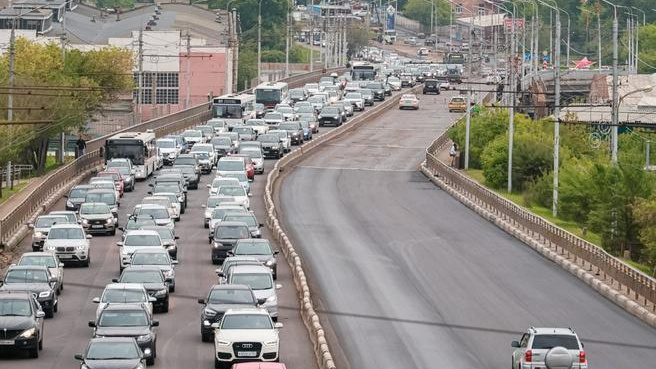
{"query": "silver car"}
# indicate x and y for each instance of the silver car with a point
(47, 260)
(257, 157)
(41, 227)
(530, 351)
(260, 279)
(124, 293)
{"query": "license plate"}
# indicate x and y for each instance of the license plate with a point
(6, 342)
(97, 226)
(64, 256)
(246, 353)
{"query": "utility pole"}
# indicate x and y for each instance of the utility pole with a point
(599, 38)
(188, 74)
(471, 62)
(312, 36)
(511, 119)
(287, 42)
(259, 41)
(12, 57)
(62, 135)
(235, 50)
(140, 77)
(556, 153)
(615, 103)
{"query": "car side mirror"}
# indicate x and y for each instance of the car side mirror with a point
(221, 274)
(278, 325)
(30, 225)
(209, 186)
(147, 353)
(155, 323)
(201, 301)
(121, 229)
(96, 300)
(53, 279)
(278, 286)
(150, 192)
(174, 262)
(514, 344)
(92, 324)
(215, 325)
(203, 205)
(176, 237)
(230, 253)
(79, 357)
(61, 265)
(151, 299)
(40, 314)
(250, 194)
(89, 237)
(115, 280)
(119, 243)
(276, 252)
(261, 301)
(151, 185)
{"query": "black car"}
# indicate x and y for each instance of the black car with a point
(153, 281)
(223, 146)
(271, 145)
(388, 89)
(295, 131)
(260, 110)
(330, 115)
(225, 237)
(21, 323)
(114, 353)
(188, 159)
(431, 86)
(34, 279)
(128, 320)
(368, 96)
(377, 89)
(297, 94)
(76, 196)
(190, 174)
(221, 298)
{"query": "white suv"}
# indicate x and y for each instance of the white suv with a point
(69, 243)
(245, 334)
(532, 348)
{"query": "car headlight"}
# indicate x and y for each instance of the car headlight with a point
(49, 248)
(168, 273)
(124, 252)
(272, 298)
(180, 199)
(85, 222)
(143, 338)
(38, 234)
(139, 366)
(319, 117)
(270, 262)
(161, 292)
(295, 134)
(222, 343)
(28, 333)
(209, 312)
(69, 204)
(271, 343)
(44, 294)
(109, 220)
(336, 117)
(81, 248)
(216, 245)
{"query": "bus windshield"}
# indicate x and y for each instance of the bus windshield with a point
(267, 95)
(125, 150)
(233, 111)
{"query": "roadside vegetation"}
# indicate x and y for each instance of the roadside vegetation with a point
(612, 206)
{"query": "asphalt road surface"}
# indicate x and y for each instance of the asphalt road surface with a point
(178, 341)
(407, 277)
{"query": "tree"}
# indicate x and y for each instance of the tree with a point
(420, 10)
(115, 4)
(357, 38)
(647, 57)
(66, 92)
(644, 212)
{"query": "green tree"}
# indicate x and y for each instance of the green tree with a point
(115, 4)
(644, 213)
(420, 10)
(484, 128)
(357, 37)
(647, 55)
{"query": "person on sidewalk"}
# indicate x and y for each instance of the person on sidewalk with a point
(81, 146)
(452, 153)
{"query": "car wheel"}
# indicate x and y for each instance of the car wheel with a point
(40, 343)
(36, 249)
(150, 361)
(49, 313)
(182, 210)
(166, 306)
(206, 337)
(217, 363)
(172, 288)
(61, 287)
(206, 225)
(87, 262)
(55, 307)
(34, 353)
(113, 232)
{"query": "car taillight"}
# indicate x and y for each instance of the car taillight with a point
(581, 356)
(528, 356)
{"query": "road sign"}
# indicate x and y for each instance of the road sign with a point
(527, 56)
(508, 24)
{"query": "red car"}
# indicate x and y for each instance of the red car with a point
(116, 177)
(250, 169)
(259, 365)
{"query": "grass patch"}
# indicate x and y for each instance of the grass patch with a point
(6, 193)
(641, 267)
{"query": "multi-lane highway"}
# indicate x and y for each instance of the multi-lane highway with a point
(407, 277)
(178, 344)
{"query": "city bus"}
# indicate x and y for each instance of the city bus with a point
(454, 58)
(139, 147)
(363, 71)
(272, 93)
(234, 109)
(389, 36)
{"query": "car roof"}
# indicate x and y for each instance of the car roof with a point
(125, 306)
(155, 250)
(101, 190)
(551, 330)
(47, 254)
(83, 186)
(152, 206)
(142, 268)
(62, 212)
(67, 225)
(26, 267)
(230, 287)
(232, 224)
(252, 240)
(247, 310)
(125, 286)
(113, 339)
(15, 294)
(259, 365)
(143, 232)
(237, 269)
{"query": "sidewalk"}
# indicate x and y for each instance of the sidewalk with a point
(14, 200)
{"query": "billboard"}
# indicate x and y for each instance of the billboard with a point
(390, 17)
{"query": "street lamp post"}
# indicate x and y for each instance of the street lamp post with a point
(615, 102)
(637, 40)
(259, 41)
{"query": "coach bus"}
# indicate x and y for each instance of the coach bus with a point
(234, 109)
(363, 71)
(139, 147)
(272, 93)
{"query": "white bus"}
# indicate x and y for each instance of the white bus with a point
(139, 147)
(234, 109)
(389, 36)
(272, 93)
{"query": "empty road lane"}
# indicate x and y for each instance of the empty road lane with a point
(408, 277)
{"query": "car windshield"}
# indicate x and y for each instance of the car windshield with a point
(330, 111)
(257, 281)
(150, 259)
(214, 201)
(77, 193)
(246, 321)
(133, 224)
(230, 165)
(45, 222)
(457, 100)
(157, 213)
(26, 276)
(15, 308)
(142, 240)
(269, 138)
(353, 96)
(142, 276)
(228, 111)
(549, 341)
(219, 213)
(232, 191)
(296, 94)
(289, 126)
(192, 134)
(112, 350)
(255, 122)
(231, 232)
(165, 144)
(47, 261)
(248, 219)
(66, 234)
(230, 296)
(316, 99)
(94, 209)
(162, 202)
(185, 161)
(223, 182)
(285, 110)
(107, 198)
(123, 296)
(221, 141)
(305, 109)
(243, 130)
(253, 248)
(118, 164)
(273, 116)
(253, 154)
(110, 176)
(127, 318)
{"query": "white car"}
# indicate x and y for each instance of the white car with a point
(174, 212)
(356, 99)
(221, 181)
(169, 150)
(287, 112)
(260, 279)
(213, 202)
(530, 351)
(69, 243)
(47, 260)
(206, 148)
(124, 293)
(193, 136)
(159, 213)
(274, 119)
(259, 125)
(136, 240)
(284, 138)
(395, 83)
(219, 125)
(236, 191)
(228, 164)
(240, 331)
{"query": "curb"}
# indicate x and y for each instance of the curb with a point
(310, 317)
(587, 277)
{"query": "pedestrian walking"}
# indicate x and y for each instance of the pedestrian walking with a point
(452, 153)
(81, 146)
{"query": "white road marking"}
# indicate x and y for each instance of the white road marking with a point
(358, 169)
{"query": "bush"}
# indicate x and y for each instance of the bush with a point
(539, 191)
(484, 128)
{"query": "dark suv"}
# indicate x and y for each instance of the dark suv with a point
(21, 323)
(128, 320)
(221, 298)
(225, 237)
(295, 131)
(378, 90)
(153, 281)
(34, 279)
(431, 86)
(330, 115)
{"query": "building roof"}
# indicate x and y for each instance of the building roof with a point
(30, 14)
(36, 3)
(488, 20)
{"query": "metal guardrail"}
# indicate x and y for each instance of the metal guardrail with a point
(629, 279)
(175, 122)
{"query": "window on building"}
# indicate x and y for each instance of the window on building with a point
(166, 87)
(459, 8)
(481, 9)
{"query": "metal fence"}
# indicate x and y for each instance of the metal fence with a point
(637, 285)
(175, 122)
